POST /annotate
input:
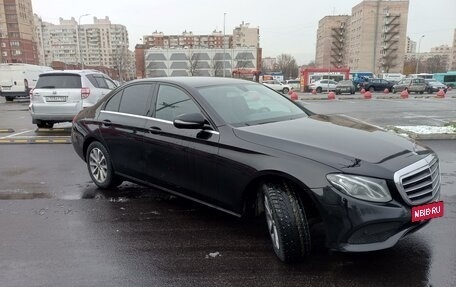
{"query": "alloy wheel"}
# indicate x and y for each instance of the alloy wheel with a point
(98, 165)
(272, 228)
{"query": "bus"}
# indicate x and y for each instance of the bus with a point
(448, 78)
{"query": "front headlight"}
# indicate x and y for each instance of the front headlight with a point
(364, 188)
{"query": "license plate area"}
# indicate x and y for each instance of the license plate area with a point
(56, 99)
(427, 211)
(6, 88)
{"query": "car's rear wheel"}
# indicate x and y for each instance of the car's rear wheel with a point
(285, 90)
(100, 166)
(286, 222)
(45, 125)
(371, 89)
(393, 90)
(9, 98)
(319, 90)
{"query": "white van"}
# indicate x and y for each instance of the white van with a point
(16, 80)
(393, 77)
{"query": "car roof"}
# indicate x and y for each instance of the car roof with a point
(79, 72)
(196, 82)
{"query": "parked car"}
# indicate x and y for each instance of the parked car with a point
(60, 95)
(433, 86)
(294, 84)
(377, 85)
(246, 150)
(323, 85)
(277, 86)
(345, 86)
(417, 85)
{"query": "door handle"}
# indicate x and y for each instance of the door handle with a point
(155, 130)
(106, 123)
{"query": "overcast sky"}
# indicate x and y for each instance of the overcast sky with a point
(285, 26)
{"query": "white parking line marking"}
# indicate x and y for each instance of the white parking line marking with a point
(16, 134)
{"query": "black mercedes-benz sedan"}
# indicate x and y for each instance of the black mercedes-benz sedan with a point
(247, 150)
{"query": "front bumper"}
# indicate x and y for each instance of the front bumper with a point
(354, 225)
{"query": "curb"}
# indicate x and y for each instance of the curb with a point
(60, 140)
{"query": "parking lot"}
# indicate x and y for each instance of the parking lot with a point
(58, 229)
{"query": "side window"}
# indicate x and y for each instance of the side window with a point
(135, 99)
(101, 83)
(172, 102)
(113, 103)
(111, 84)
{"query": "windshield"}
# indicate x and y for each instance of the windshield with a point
(59, 81)
(249, 104)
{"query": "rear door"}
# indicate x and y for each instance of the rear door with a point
(122, 124)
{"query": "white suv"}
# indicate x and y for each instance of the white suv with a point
(60, 95)
(277, 86)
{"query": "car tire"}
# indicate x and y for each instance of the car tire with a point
(286, 222)
(371, 89)
(393, 90)
(285, 90)
(429, 91)
(421, 92)
(9, 98)
(319, 90)
(45, 125)
(100, 166)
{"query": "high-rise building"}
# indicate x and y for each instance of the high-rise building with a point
(101, 44)
(453, 56)
(331, 41)
(410, 46)
(377, 36)
(17, 37)
(246, 37)
(373, 37)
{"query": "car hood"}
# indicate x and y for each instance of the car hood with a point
(337, 141)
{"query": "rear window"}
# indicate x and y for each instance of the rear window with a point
(59, 81)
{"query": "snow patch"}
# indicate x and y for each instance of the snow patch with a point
(213, 255)
(428, 129)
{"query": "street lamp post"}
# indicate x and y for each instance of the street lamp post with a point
(418, 55)
(223, 66)
(79, 42)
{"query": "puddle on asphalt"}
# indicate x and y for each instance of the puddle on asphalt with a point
(18, 194)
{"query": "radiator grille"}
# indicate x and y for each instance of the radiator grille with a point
(419, 182)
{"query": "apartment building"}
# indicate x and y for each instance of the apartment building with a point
(440, 55)
(410, 46)
(17, 37)
(453, 53)
(374, 37)
(331, 41)
(100, 44)
(188, 40)
(246, 37)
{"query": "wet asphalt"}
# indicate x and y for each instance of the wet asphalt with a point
(58, 229)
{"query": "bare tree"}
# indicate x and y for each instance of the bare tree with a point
(436, 64)
(287, 64)
(193, 60)
(217, 67)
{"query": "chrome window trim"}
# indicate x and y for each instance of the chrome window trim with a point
(415, 168)
(151, 118)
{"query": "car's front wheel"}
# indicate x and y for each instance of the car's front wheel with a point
(9, 98)
(286, 222)
(100, 166)
(285, 90)
(319, 90)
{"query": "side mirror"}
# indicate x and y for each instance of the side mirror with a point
(189, 121)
